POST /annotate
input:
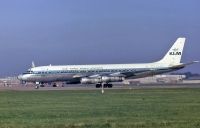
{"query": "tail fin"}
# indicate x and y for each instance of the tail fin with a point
(33, 64)
(173, 56)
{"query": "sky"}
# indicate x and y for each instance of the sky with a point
(67, 32)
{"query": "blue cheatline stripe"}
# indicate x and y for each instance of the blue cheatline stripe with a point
(88, 71)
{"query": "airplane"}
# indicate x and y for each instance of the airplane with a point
(103, 75)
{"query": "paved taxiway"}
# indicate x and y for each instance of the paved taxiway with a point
(92, 87)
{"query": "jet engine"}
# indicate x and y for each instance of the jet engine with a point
(90, 80)
(103, 79)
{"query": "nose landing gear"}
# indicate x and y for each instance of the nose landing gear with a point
(38, 85)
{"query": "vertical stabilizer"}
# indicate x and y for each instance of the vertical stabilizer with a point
(33, 64)
(173, 56)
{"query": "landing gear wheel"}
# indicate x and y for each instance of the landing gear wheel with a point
(98, 85)
(105, 85)
(42, 85)
(54, 85)
(37, 87)
(109, 85)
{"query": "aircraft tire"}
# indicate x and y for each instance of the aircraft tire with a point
(54, 85)
(105, 85)
(42, 85)
(110, 85)
(98, 85)
(37, 87)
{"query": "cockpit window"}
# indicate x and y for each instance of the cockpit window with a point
(28, 72)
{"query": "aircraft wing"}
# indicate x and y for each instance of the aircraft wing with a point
(126, 74)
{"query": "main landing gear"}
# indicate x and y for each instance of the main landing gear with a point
(38, 85)
(102, 86)
(42, 84)
(55, 85)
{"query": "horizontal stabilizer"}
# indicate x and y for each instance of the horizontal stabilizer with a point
(189, 63)
(184, 64)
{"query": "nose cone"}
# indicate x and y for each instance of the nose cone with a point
(24, 77)
(20, 77)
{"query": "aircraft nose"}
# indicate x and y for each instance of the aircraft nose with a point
(20, 77)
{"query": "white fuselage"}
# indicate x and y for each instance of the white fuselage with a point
(105, 73)
(69, 72)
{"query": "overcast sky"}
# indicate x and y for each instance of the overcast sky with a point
(95, 32)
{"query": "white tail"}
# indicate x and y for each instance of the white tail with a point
(173, 56)
(33, 64)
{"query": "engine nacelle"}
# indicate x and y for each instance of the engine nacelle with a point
(107, 79)
(104, 79)
(90, 80)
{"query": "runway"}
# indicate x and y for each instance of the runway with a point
(92, 87)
